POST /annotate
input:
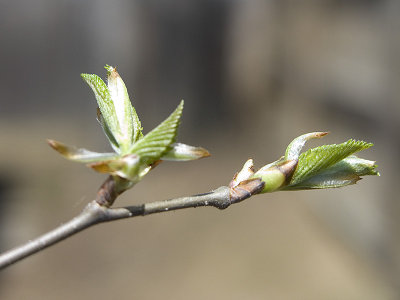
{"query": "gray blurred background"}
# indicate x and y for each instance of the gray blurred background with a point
(254, 74)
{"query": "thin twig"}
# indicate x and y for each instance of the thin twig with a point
(219, 198)
(95, 214)
(98, 211)
(88, 217)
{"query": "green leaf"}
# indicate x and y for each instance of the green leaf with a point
(80, 154)
(345, 172)
(105, 104)
(321, 158)
(158, 141)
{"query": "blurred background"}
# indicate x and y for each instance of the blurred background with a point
(254, 75)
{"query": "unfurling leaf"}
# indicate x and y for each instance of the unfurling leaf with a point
(157, 142)
(107, 131)
(128, 120)
(295, 147)
(122, 105)
(183, 152)
(345, 172)
(320, 158)
(135, 155)
(80, 154)
(105, 104)
(328, 166)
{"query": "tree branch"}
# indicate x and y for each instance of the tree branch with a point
(98, 211)
(95, 214)
(88, 217)
(219, 198)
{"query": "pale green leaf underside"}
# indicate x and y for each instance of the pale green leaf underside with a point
(294, 148)
(137, 126)
(123, 107)
(104, 102)
(107, 132)
(126, 124)
(80, 154)
(320, 158)
(157, 142)
(133, 117)
(182, 152)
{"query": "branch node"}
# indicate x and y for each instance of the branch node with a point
(246, 189)
(107, 193)
(220, 203)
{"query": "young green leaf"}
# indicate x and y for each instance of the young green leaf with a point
(345, 172)
(327, 166)
(321, 158)
(157, 142)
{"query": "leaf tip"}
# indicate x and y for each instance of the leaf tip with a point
(182, 152)
(203, 153)
(85, 76)
(179, 109)
(59, 147)
(321, 134)
(109, 68)
(295, 147)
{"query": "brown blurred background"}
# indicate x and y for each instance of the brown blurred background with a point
(254, 74)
